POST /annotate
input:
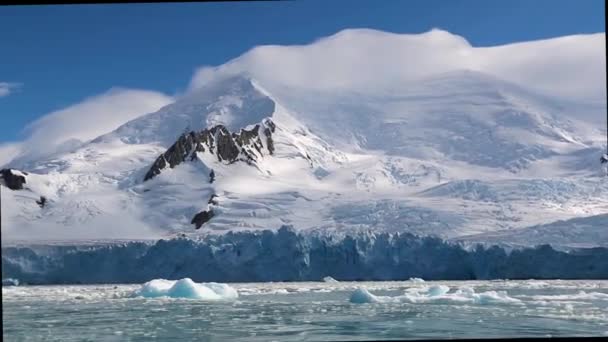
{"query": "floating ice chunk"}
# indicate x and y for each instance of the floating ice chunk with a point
(581, 295)
(362, 296)
(10, 282)
(330, 280)
(322, 290)
(489, 297)
(437, 294)
(416, 280)
(495, 297)
(279, 291)
(438, 290)
(155, 288)
(186, 288)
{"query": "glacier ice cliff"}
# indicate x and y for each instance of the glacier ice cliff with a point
(287, 255)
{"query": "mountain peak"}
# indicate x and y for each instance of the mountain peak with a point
(228, 147)
(234, 102)
(226, 85)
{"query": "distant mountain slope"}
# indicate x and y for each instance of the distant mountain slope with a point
(580, 232)
(458, 154)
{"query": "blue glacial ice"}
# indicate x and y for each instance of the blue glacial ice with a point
(362, 296)
(287, 255)
(437, 290)
(186, 288)
(329, 280)
(10, 282)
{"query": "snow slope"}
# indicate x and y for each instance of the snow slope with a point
(455, 153)
(580, 232)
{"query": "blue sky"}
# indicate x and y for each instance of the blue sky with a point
(62, 54)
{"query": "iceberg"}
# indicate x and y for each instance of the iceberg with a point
(437, 294)
(362, 296)
(186, 288)
(416, 280)
(10, 282)
(438, 290)
(330, 280)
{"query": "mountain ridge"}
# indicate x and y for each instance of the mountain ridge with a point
(356, 162)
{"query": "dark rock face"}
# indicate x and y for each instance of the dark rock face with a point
(201, 218)
(12, 180)
(227, 149)
(205, 215)
(268, 133)
(41, 202)
(226, 146)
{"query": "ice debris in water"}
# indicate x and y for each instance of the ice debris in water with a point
(437, 290)
(416, 280)
(186, 288)
(489, 297)
(10, 282)
(329, 279)
(362, 296)
(436, 294)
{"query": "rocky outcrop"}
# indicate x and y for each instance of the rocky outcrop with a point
(204, 216)
(13, 179)
(228, 147)
(41, 202)
(201, 218)
(270, 128)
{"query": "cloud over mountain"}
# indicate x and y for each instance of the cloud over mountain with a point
(366, 60)
(88, 119)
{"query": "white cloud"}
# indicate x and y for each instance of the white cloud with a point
(89, 119)
(368, 60)
(8, 151)
(7, 88)
(361, 60)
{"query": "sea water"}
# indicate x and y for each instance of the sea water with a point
(182, 310)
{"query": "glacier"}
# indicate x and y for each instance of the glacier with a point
(380, 177)
(358, 162)
(288, 255)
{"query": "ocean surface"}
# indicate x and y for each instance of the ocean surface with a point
(330, 310)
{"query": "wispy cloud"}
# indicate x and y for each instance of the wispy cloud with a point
(8, 151)
(7, 88)
(88, 119)
(368, 60)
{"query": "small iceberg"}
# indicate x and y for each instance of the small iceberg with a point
(362, 296)
(416, 280)
(437, 294)
(329, 279)
(437, 290)
(10, 282)
(186, 288)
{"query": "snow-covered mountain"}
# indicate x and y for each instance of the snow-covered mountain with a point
(461, 154)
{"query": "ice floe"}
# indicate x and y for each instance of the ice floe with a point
(436, 294)
(186, 288)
